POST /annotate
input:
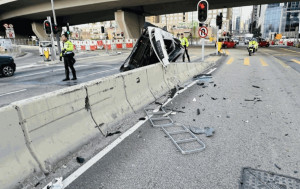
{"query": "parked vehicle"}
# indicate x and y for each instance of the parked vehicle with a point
(7, 66)
(237, 41)
(263, 43)
(155, 45)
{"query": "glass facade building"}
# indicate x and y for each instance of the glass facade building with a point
(274, 19)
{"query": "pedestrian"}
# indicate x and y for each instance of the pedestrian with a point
(68, 55)
(185, 44)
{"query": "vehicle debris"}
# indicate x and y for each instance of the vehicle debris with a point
(194, 100)
(200, 84)
(255, 86)
(167, 114)
(154, 45)
(172, 92)
(142, 118)
(111, 134)
(277, 166)
(57, 184)
(215, 85)
(213, 98)
(207, 131)
(255, 99)
(80, 159)
(198, 111)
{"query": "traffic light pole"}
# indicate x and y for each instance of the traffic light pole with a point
(217, 42)
(57, 35)
(53, 53)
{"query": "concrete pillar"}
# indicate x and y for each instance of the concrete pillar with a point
(38, 30)
(130, 23)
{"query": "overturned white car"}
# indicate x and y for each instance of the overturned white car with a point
(155, 45)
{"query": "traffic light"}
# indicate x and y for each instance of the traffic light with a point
(47, 27)
(219, 20)
(55, 29)
(102, 29)
(202, 11)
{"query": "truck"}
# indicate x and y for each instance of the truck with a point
(248, 37)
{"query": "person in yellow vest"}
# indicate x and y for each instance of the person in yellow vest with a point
(68, 55)
(185, 44)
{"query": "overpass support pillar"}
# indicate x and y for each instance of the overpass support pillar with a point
(130, 23)
(38, 30)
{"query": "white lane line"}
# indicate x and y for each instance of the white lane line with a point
(98, 73)
(211, 71)
(111, 146)
(13, 92)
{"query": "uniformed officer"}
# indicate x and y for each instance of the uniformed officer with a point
(68, 55)
(185, 44)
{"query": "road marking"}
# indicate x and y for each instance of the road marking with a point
(227, 52)
(279, 61)
(296, 61)
(291, 50)
(263, 62)
(246, 62)
(211, 71)
(111, 146)
(97, 73)
(13, 92)
(230, 60)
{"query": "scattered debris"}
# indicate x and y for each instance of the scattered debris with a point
(255, 86)
(180, 88)
(111, 134)
(64, 166)
(142, 118)
(173, 113)
(194, 120)
(204, 86)
(57, 184)
(219, 116)
(200, 84)
(228, 116)
(207, 131)
(295, 172)
(198, 111)
(37, 184)
(201, 95)
(138, 80)
(167, 114)
(203, 109)
(224, 98)
(246, 121)
(213, 98)
(211, 82)
(215, 85)
(183, 107)
(158, 103)
(286, 134)
(202, 76)
(80, 159)
(255, 99)
(172, 92)
(194, 100)
(277, 166)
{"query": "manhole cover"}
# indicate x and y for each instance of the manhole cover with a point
(257, 179)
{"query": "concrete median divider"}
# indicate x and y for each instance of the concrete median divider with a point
(108, 101)
(57, 124)
(39, 132)
(16, 161)
(157, 84)
(137, 88)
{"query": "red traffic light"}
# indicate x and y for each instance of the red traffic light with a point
(47, 24)
(202, 5)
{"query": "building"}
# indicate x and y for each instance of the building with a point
(292, 19)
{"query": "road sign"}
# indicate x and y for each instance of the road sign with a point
(11, 26)
(10, 33)
(203, 31)
(5, 25)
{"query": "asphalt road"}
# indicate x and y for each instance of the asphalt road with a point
(32, 78)
(257, 134)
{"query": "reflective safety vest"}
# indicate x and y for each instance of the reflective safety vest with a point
(184, 41)
(68, 46)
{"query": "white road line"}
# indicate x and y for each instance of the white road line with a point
(111, 146)
(97, 73)
(13, 92)
(211, 71)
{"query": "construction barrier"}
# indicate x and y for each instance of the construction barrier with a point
(100, 44)
(107, 44)
(129, 43)
(119, 43)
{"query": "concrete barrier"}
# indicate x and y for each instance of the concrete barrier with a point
(157, 84)
(58, 123)
(183, 72)
(16, 162)
(137, 88)
(107, 99)
(171, 75)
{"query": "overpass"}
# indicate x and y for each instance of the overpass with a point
(126, 12)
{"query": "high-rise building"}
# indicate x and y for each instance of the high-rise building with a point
(292, 18)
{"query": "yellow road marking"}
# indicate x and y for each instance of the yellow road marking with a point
(290, 50)
(281, 62)
(263, 62)
(230, 60)
(246, 62)
(227, 52)
(296, 61)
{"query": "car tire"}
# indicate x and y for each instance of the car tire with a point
(7, 71)
(267, 45)
(234, 46)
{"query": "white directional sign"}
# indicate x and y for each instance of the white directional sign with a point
(203, 31)
(11, 26)
(10, 33)
(5, 25)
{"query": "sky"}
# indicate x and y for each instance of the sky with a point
(247, 10)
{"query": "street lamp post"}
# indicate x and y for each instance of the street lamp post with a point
(55, 22)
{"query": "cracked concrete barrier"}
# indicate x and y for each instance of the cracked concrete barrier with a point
(56, 124)
(16, 161)
(137, 88)
(157, 84)
(171, 75)
(108, 101)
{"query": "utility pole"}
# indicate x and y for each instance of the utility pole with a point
(55, 22)
(53, 55)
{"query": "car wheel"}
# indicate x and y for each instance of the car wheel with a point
(7, 71)
(234, 46)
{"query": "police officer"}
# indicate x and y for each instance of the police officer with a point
(185, 44)
(68, 55)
